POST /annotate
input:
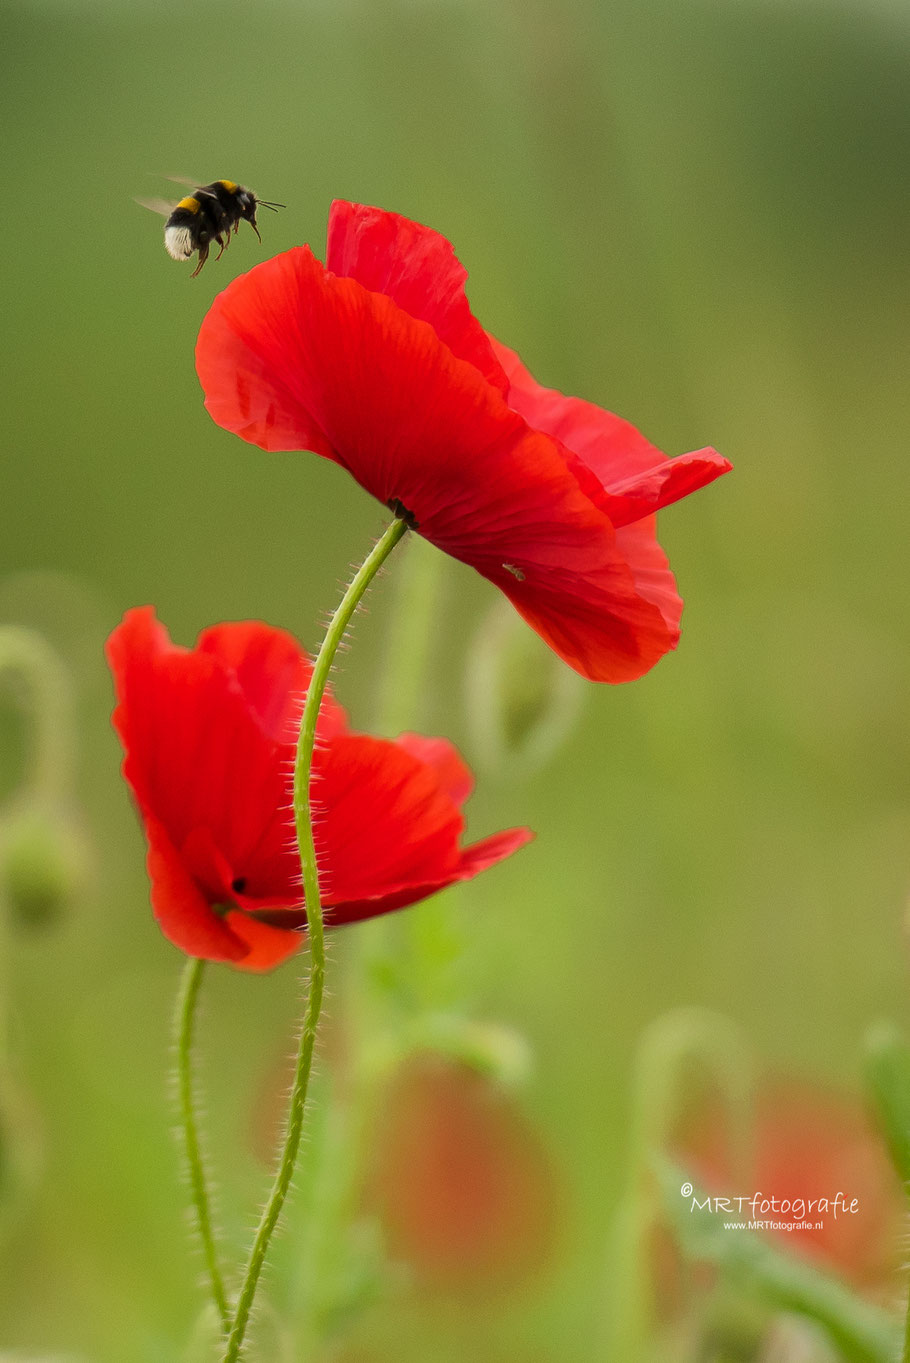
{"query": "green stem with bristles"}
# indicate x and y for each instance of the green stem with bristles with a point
(303, 818)
(185, 1029)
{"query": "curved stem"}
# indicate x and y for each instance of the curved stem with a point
(303, 818)
(49, 767)
(185, 1029)
(47, 776)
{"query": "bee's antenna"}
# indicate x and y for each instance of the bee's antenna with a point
(264, 203)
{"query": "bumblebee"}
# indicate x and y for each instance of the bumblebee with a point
(209, 214)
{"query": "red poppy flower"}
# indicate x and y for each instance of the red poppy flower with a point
(375, 361)
(209, 737)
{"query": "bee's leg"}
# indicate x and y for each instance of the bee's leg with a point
(203, 257)
(222, 243)
(236, 227)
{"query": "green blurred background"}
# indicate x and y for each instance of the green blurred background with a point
(694, 214)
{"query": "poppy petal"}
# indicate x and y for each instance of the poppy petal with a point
(195, 756)
(250, 388)
(486, 853)
(636, 476)
(381, 387)
(187, 919)
(418, 269)
(613, 448)
(265, 946)
(382, 820)
(184, 914)
(648, 564)
(479, 857)
(600, 623)
(454, 774)
(274, 674)
(642, 494)
(492, 492)
(214, 793)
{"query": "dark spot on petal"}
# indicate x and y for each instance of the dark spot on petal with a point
(238, 884)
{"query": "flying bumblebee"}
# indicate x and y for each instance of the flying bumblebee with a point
(208, 214)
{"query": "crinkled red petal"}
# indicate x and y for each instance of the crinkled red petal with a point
(474, 859)
(187, 918)
(214, 791)
(645, 493)
(418, 269)
(606, 636)
(634, 478)
(197, 758)
(612, 448)
(649, 567)
(286, 350)
(266, 946)
(382, 819)
(486, 853)
(183, 912)
(454, 774)
(274, 674)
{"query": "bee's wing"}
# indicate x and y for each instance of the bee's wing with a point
(161, 206)
(195, 185)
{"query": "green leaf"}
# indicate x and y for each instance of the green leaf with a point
(888, 1078)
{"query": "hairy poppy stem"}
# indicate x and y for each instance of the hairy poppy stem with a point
(185, 1026)
(303, 818)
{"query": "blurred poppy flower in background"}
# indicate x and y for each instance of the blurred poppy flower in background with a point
(463, 1183)
(810, 1143)
(209, 736)
(375, 361)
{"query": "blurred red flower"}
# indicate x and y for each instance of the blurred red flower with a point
(809, 1144)
(814, 1143)
(463, 1184)
(375, 361)
(209, 737)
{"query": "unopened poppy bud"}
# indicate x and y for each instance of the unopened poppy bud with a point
(521, 705)
(42, 864)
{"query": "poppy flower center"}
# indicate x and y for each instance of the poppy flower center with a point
(401, 511)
